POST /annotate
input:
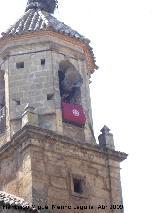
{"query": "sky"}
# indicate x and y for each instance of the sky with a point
(125, 36)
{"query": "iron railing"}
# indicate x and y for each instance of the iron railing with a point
(2, 119)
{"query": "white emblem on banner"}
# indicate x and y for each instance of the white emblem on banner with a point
(76, 112)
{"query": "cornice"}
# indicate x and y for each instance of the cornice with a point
(88, 52)
(31, 132)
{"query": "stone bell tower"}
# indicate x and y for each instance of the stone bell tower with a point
(48, 152)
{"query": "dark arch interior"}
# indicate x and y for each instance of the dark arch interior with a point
(69, 88)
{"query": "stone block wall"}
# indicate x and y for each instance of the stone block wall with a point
(42, 167)
(2, 104)
(56, 164)
(2, 88)
(33, 83)
(15, 175)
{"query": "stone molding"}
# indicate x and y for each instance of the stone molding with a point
(88, 151)
(29, 35)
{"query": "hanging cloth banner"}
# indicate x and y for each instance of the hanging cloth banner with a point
(73, 113)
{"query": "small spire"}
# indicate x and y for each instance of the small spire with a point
(46, 5)
(105, 130)
(106, 138)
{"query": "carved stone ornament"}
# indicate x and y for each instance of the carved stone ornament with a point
(106, 138)
(46, 5)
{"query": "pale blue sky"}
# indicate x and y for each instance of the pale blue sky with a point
(125, 35)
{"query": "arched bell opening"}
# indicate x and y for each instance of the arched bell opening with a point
(70, 82)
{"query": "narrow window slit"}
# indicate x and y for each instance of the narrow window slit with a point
(43, 61)
(78, 186)
(49, 97)
(18, 102)
(20, 65)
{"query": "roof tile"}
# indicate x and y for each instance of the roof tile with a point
(36, 19)
(14, 201)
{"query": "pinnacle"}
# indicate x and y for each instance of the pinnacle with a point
(46, 5)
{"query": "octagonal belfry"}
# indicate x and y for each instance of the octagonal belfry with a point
(48, 151)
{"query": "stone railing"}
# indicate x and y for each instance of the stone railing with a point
(2, 119)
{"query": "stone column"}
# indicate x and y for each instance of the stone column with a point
(56, 58)
(7, 100)
(86, 103)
